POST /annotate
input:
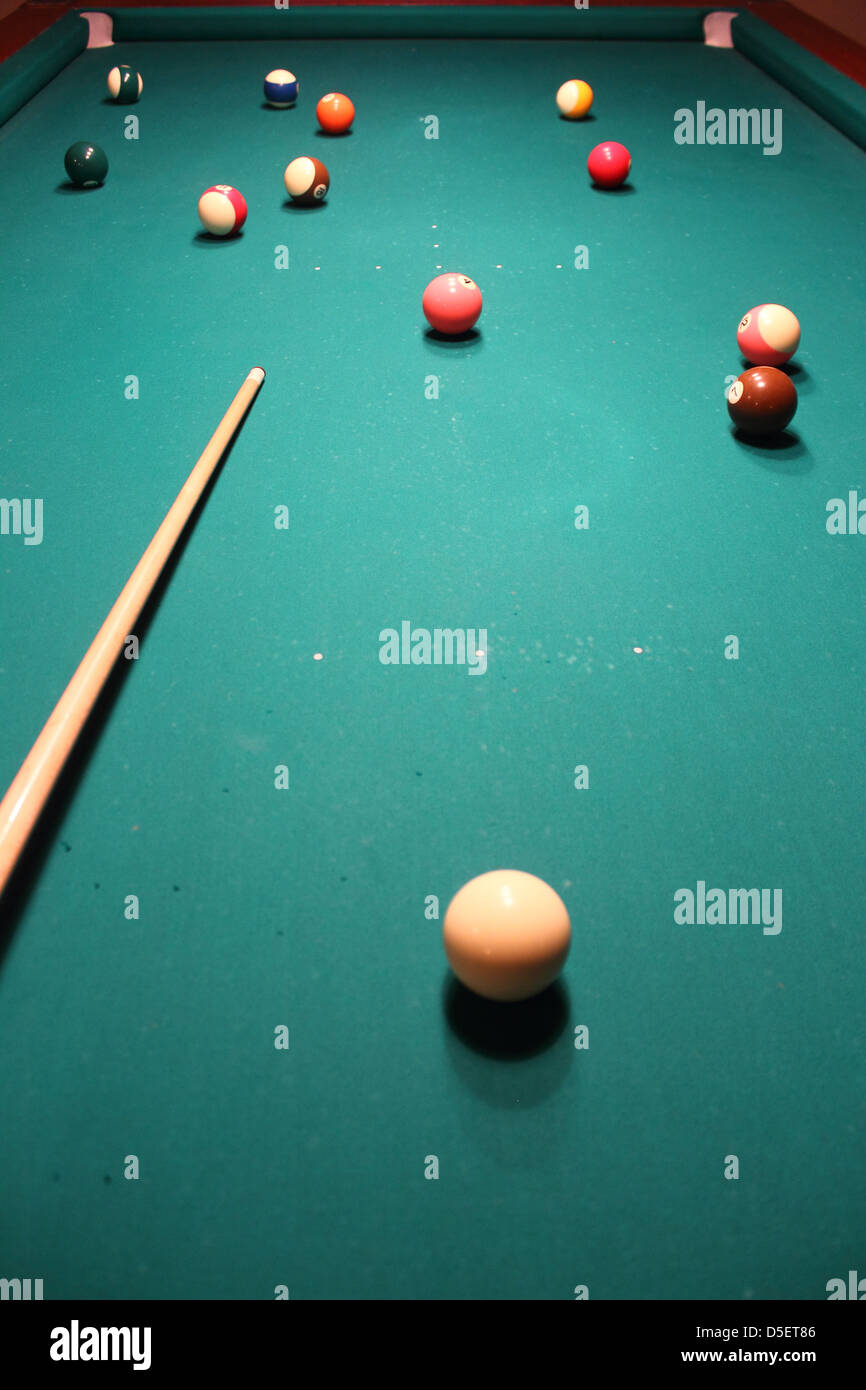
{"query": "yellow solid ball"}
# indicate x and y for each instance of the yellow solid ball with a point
(574, 99)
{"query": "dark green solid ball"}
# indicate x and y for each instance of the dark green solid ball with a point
(86, 163)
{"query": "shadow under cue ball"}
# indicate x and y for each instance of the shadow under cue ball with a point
(506, 935)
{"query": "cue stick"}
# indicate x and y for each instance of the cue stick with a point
(22, 805)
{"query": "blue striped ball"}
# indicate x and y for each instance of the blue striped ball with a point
(281, 88)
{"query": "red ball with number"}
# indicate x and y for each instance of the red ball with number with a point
(452, 303)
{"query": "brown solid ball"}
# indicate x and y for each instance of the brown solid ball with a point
(762, 401)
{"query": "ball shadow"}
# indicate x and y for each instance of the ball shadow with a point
(433, 336)
(209, 239)
(507, 1032)
(799, 374)
(269, 106)
(620, 188)
(772, 443)
(333, 134)
(70, 187)
(801, 377)
(578, 120)
(291, 206)
(783, 453)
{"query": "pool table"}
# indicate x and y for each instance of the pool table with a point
(521, 598)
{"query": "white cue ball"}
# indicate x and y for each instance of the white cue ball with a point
(506, 935)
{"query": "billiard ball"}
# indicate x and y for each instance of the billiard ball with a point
(506, 935)
(768, 335)
(222, 210)
(281, 88)
(609, 164)
(307, 180)
(762, 401)
(85, 163)
(335, 113)
(574, 99)
(124, 85)
(452, 303)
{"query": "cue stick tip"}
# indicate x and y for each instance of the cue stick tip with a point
(257, 374)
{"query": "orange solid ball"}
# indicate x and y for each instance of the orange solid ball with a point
(506, 935)
(335, 113)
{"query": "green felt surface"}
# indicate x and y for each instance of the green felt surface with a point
(601, 387)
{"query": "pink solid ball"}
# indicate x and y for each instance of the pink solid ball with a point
(452, 303)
